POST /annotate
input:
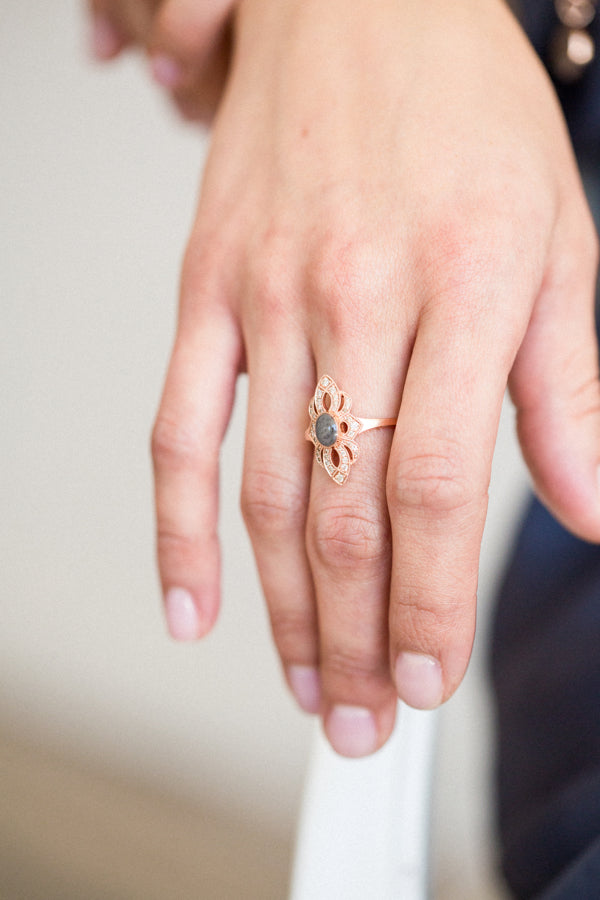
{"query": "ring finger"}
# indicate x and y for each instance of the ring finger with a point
(349, 545)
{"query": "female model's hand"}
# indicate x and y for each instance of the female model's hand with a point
(188, 43)
(391, 199)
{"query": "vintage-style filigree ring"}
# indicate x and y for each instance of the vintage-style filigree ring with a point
(333, 430)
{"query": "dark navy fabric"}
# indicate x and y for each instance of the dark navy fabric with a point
(581, 101)
(580, 880)
(546, 675)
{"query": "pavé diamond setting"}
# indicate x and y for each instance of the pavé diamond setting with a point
(333, 429)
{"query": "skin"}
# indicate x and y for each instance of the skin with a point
(390, 198)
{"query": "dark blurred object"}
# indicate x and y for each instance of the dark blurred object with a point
(566, 33)
(546, 679)
(572, 48)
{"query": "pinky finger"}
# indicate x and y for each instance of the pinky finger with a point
(186, 440)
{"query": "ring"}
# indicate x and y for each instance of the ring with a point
(332, 429)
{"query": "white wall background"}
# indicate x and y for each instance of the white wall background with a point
(97, 191)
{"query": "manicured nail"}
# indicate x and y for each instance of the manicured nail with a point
(183, 619)
(166, 71)
(105, 39)
(419, 680)
(351, 731)
(306, 686)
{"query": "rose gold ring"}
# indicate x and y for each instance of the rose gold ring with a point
(333, 430)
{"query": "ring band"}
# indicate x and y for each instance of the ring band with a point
(333, 429)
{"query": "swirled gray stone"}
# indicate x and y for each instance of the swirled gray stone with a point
(326, 430)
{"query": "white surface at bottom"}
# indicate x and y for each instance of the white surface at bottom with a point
(364, 828)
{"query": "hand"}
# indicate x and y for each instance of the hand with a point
(188, 43)
(391, 199)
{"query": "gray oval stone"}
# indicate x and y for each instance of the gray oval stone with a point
(326, 430)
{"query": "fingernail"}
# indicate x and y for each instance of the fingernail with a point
(419, 680)
(183, 619)
(105, 39)
(351, 731)
(306, 687)
(166, 71)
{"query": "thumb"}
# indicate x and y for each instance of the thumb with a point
(554, 383)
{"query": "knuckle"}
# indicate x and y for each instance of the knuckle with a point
(458, 253)
(292, 631)
(175, 548)
(204, 263)
(455, 267)
(420, 623)
(341, 539)
(356, 666)
(174, 445)
(271, 504)
(432, 481)
(270, 281)
(346, 283)
(339, 267)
